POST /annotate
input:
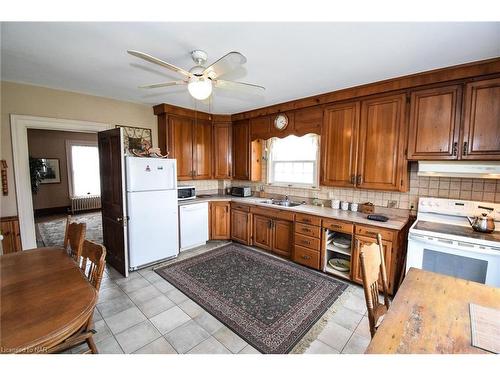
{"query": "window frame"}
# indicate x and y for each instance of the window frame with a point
(69, 160)
(316, 166)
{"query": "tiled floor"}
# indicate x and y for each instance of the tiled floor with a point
(145, 314)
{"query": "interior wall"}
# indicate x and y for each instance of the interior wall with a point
(51, 144)
(22, 99)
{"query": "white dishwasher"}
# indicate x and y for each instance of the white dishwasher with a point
(193, 224)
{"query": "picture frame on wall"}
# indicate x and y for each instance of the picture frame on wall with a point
(50, 173)
(133, 137)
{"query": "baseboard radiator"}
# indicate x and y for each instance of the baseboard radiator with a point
(85, 203)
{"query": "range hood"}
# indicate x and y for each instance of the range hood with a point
(463, 169)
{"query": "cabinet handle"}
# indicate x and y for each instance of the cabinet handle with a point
(371, 233)
(270, 224)
(464, 151)
(353, 179)
(306, 242)
(306, 220)
(306, 257)
(455, 148)
(359, 179)
(305, 230)
(336, 226)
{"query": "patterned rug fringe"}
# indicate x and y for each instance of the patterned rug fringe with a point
(318, 327)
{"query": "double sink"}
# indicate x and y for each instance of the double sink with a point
(282, 202)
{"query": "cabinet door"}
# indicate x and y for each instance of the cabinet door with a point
(434, 123)
(220, 221)
(339, 145)
(240, 226)
(308, 120)
(180, 141)
(282, 237)
(222, 150)
(262, 232)
(260, 127)
(481, 139)
(202, 150)
(356, 274)
(381, 163)
(241, 150)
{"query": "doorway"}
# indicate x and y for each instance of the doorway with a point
(65, 180)
(19, 129)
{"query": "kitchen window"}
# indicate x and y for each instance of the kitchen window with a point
(293, 161)
(83, 168)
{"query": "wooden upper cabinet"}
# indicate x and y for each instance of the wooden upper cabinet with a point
(434, 123)
(260, 127)
(308, 120)
(241, 150)
(381, 163)
(222, 134)
(481, 135)
(202, 150)
(339, 146)
(180, 145)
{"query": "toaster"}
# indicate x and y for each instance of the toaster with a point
(241, 191)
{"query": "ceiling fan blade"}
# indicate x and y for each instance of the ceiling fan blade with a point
(225, 64)
(220, 83)
(157, 85)
(157, 61)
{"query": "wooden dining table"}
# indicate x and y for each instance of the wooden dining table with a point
(430, 314)
(44, 299)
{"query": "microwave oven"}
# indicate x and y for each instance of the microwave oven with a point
(185, 192)
(241, 191)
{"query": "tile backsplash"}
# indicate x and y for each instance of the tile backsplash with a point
(442, 187)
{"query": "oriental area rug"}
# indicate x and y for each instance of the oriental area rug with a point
(269, 302)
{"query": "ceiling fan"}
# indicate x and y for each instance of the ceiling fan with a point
(200, 80)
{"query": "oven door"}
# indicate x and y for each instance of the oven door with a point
(458, 259)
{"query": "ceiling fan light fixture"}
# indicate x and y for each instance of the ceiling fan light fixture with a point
(200, 88)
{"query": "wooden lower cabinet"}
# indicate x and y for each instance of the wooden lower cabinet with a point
(273, 235)
(241, 226)
(263, 232)
(282, 237)
(220, 220)
(9, 227)
(356, 275)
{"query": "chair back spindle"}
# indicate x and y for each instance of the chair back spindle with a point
(372, 270)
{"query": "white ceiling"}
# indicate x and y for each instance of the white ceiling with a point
(292, 60)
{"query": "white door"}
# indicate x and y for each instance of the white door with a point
(145, 174)
(152, 226)
(193, 220)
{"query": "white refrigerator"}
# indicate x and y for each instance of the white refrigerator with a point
(152, 210)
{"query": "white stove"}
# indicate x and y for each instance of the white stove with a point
(442, 240)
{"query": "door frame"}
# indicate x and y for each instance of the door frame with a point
(19, 125)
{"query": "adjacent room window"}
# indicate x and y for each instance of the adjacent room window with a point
(293, 161)
(83, 169)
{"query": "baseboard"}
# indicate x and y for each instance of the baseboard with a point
(52, 211)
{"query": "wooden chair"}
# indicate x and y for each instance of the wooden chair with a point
(372, 269)
(74, 237)
(92, 263)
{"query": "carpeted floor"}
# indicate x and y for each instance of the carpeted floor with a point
(51, 233)
(269, 302)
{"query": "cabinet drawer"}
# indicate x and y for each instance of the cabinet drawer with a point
(308, 230)
(308, 219)
(372, 232)
(241, 207)
(273, 213)
(309, 242)
(338, 226)
(306, 257)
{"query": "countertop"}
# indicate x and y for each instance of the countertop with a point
(396, 220)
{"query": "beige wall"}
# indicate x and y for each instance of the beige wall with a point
(51, 144)
(31, 100)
